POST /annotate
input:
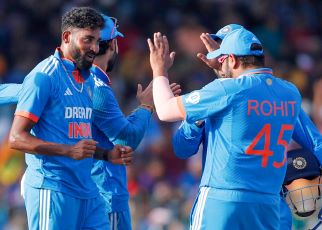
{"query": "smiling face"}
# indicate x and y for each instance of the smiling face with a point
(82, 46)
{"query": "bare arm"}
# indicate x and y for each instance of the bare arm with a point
(161, 60)
(21, 139)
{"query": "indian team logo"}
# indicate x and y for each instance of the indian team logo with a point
(299, 163)
(193, 98)
(225, 30)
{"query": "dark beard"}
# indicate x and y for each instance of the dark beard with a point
(80, 60)
(112, 62)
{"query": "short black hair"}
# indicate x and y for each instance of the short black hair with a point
(82, 17)
(250, 60)
(103, 46)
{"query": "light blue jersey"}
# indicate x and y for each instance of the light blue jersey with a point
(112, 127)
(62, 111)
(188, 137)
(251, 120)
(9, 93)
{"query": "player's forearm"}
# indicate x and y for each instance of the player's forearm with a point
(165, 102)
(133, 132)
(25, 142)
(187, 139)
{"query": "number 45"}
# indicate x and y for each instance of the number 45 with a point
(266, 152)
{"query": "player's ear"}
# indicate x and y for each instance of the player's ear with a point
(66, 36)
(233, 61)
(113, 45)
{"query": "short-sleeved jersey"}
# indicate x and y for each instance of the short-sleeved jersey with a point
(250, 121)
(9, 93)
(111, 127)
(54, 98)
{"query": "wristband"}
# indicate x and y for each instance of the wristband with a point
(100, 155)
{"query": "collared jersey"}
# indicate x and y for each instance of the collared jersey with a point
(112, 127)
(250, 121)
(62, 111)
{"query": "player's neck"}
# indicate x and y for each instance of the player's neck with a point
(242, 70)
(64, 52)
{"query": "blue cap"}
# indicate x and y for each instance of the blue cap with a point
(238, 42)
(301, 164)
(225, 30)
(110, 29)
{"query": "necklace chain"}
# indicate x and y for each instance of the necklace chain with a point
(70, 79)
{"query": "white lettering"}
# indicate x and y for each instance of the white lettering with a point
(78, 112)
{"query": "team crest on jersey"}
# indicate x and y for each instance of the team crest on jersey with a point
(299, 163)
(193, 98)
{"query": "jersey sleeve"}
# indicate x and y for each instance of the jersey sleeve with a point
(34, 95)
(187, 139)
(307, 135)
(9, 93)
(109, 118)
(207, 101)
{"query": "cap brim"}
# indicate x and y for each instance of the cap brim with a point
(216, 37)
(214, 54)
(119, 34)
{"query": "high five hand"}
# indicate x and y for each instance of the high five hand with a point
(210, 45)
(160, 58)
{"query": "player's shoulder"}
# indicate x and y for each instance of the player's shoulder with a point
(48, 66)
(232, 85)
(288, 85)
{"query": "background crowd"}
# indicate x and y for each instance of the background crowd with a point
(162, 186)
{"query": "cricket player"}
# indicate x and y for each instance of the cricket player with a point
(245, 164)
(53, 124)
(188, 137)
(112, 127)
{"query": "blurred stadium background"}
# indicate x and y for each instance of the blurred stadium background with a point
(162, 187)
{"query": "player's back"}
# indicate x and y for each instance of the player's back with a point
(248, 139)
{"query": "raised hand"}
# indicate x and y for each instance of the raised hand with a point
(82, 149)
(175, 88)
(210, 45)
(160, 58)
(145, 96)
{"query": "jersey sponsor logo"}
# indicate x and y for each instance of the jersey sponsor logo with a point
(268, 108)
(79, 129)
(78, 112)
(193, 98)
(68, 92)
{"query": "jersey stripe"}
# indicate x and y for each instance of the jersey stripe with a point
(51, 67)
(54, 68)
(50, 60)
(197, 220)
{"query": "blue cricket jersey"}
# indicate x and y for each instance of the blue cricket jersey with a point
(9, 93)
(250, 121)
(61, 106)
(112, 127)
